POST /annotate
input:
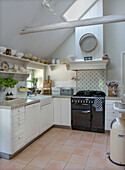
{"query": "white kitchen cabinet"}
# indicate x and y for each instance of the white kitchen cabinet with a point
(11, 130)
(32, 122)
(57, 111)
(62, 111)
(110, 114)
(45, 118)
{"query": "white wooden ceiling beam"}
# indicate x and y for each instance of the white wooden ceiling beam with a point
(73, 24)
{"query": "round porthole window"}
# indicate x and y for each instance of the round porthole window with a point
(88, 42)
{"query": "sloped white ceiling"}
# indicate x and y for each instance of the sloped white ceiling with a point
(16, 14)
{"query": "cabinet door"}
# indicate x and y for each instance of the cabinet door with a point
(57, 111)
(110, 113)
(65, 109)
(46, 117)
(32, 122)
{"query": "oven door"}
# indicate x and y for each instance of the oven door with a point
(81, 119)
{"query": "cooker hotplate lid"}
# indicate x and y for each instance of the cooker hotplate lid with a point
(90, 93)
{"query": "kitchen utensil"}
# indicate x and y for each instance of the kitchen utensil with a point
(58, 61)
(53, 61)
(88, 42)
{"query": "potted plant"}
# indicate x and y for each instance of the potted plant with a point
(8, 82)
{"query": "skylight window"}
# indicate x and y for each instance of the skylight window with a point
(78, 9)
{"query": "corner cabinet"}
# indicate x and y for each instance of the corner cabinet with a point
(110, 113)
(62, 111)
(32, 122)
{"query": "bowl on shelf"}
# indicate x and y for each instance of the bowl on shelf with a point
(19, 55)
(71, 58)
(13, 52)
(2, 49)
(34, 58)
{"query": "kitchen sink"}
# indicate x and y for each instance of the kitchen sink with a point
(44, 100)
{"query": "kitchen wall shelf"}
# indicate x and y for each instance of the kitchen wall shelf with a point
(12, 59)
(34, 64)
(88, 65)
(53, 66)
(15, 75)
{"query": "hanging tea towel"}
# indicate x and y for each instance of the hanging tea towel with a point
(98, 104)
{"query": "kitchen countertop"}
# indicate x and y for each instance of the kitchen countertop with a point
(112, 98)
(17, 103)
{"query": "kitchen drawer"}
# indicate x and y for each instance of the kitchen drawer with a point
(18, 111)
(17, 128)
(17, 142)
(17, 118)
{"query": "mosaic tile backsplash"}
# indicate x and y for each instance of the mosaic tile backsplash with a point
(91, 80)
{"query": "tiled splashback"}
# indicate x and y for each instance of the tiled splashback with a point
(13, 90)
(91, 80)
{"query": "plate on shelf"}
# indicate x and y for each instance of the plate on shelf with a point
(5, 66)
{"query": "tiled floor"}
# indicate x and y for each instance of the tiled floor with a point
(64, 149)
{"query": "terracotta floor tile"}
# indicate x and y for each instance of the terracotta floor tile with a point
(28, 167)
(42, 159)
(98, 153)
(24, 158)
(85, 144)
(71, 142)
(62, 156)
(111, 166)
(33, 149)
(100, 139)
(95, 163)
(81, 151)
(55, 165)
(99, 146)
(78, 132)
(53, 146)
(47, 153)
(66, 148)
(39, 162)
(77, 159)
(88, 137)
(15, 166)
(74, 137)
(4, 163)
(71, 166)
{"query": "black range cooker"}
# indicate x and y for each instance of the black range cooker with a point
(88, 111)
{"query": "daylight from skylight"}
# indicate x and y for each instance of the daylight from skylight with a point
(78, 9)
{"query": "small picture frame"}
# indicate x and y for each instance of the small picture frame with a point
(89, 58)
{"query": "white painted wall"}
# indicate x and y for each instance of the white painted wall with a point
(114, 38)
(97, 30)
(65, 49)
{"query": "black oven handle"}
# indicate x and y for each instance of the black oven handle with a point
(87, 111)
(85, 104)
